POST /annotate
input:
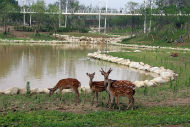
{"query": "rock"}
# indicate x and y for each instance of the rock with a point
(1, 92)
(23, 91)
(150, 83)
(137, 51)
(43, 90)
(13, 90)
(67, 90)
(36, 90)
(166, 75)
(139, 83)
(134, 65)
(159, 80)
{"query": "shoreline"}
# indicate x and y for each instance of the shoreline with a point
(162, 75)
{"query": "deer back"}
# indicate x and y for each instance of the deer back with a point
(68, 83)
(122, 88)
(98, 86)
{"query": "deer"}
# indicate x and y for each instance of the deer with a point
(68, 83)
(95, 86)
(117, 88)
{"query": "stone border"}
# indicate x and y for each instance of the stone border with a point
(16, 90)
(164, 75)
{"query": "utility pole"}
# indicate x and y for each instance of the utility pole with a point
(150, 16)
(145, 16)
(99, 15)
(106, 17)
(30, 4)
(24, 23)
(66, 14)
(59, 13)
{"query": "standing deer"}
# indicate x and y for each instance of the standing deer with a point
(95, 86)
(68, 83)
(119, 88)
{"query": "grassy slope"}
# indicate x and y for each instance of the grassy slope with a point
(177, 88)
(159, 38)
(140, 117)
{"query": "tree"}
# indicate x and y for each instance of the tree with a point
(53, 18)
(7, 8)
(39, 16)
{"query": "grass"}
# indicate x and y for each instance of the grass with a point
(179, 88)
(77, 34)
(159, 38)
(140, 117)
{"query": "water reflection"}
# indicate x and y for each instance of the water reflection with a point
(43, 66)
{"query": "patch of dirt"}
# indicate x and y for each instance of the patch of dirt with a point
(178, 101)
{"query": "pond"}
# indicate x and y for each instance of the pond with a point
(44, 65)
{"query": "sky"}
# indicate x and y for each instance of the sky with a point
(117, 4)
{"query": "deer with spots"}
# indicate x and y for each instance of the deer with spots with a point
(95, 86)
(68, 83)
(117, 88)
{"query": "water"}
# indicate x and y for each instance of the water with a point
(43, 66)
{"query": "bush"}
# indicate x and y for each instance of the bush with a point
(24, 28)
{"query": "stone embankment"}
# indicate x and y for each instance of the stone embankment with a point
(16, 90)
(114, 40)
(164, 75)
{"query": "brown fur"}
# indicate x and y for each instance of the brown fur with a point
(119, 88)
(175, 54)
(68, 83)
(95, 86)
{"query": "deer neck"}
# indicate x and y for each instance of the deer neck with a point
(90, 83)
(106, 82)
(54, 88)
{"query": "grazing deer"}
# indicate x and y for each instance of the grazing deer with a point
(95, 86)
(174, 54)
(117, 88)
(68, 83)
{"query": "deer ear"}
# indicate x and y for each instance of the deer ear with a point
(109, 71)
(94, 73)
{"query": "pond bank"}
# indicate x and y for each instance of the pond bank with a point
(164, 75)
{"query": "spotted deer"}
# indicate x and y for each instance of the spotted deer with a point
(95, 86)
(117, 88)
(68, 83)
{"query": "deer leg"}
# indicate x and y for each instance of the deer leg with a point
(60, 92)
(93, 97)
(97, 98)
(117, 101)
(108, 99)
(77, 95)
(130, 102)
(112, 100)
(132, 99)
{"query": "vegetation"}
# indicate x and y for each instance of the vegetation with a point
(171, 90)
(140, 117)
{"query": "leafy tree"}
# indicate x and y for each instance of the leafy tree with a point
(39, 16)
(7, 9)
(53, 18)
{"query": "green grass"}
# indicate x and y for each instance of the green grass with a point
(171, 90)
(77, 34)
(42, 36)
(159, 39)
(10, 37)
(152, 116)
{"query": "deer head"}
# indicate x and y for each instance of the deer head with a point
(105, 74)
(51, 91)
(91, 76)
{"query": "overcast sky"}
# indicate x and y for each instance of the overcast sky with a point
(117, 4)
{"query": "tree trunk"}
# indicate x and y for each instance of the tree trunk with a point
(5, 27)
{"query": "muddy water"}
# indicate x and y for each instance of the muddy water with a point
(43, 66)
